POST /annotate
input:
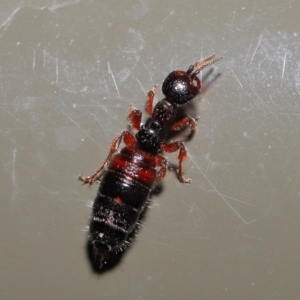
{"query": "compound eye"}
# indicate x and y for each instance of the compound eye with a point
(179, 87)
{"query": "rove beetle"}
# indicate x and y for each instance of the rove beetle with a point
(127, 177)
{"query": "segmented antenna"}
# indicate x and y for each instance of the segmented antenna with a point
(201, 64)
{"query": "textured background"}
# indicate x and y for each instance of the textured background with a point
(69, 69)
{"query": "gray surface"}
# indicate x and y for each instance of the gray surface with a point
(69, 69)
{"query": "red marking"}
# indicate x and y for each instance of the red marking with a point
(118, 163)
(135, 166)
(118, 199)
(146, 175)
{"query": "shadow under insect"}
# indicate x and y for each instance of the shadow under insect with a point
(130, 177)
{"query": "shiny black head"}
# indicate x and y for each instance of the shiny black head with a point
(180, 87)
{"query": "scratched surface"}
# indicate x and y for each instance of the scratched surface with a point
(69, 70)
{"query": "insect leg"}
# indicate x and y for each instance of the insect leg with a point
(150, 100)
(128, 139)
(191, 122)
(165, 166)
(173, 147)
(134, 117)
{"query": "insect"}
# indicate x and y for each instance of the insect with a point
(127, 177)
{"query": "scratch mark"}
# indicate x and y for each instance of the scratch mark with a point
(245, 203)
(148, 71)
(191, 210)
(275, 55)
(10, 18)
(253, 237)
(107, 89)
(220, 195)
(283, 67)
(247, 136)
(56, 68)
(145, 92)
(85, 132)
(55, 6)
(17, 119)
(142, 87)
(113, 77)
(256, 93)
(33, 62)
(261, 37)
(100, 123)
(44, 58)
(14, 142)
(170, 14)
(237, 79)
(297, 89)
(271, 98)
(246, 59)
(13, 175)
(268, 108)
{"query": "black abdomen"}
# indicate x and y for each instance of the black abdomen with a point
(122, 196)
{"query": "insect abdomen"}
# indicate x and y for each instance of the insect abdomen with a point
(122, 195)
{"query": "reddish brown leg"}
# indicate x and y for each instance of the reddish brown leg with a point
(192, 123)
(128, 139)
(170, 148)
(150, 97)
(165, 166)
(134, 117)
